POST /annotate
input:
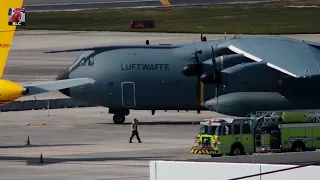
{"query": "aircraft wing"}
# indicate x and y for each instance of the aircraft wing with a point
(292, 57)
(47, 86)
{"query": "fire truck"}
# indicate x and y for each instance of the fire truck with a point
(268, 132)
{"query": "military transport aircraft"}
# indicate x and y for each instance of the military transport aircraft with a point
(232, 76)
(10, 91)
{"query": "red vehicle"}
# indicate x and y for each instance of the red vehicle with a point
(142, 24)
(16, 17)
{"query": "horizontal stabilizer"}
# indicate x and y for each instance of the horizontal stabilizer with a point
(109, 48)
(314, 44)
(43, 87)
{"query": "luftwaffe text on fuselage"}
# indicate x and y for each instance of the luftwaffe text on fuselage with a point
(145, 67)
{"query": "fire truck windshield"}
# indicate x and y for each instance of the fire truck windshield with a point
(223, 129)
(207, 129)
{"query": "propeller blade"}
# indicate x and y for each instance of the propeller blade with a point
(213, 55)
(196, 57)
(198, 89)
(213, 59)
(217, 96)
(216, 76)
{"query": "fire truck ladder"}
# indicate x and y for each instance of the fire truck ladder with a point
(273, 116)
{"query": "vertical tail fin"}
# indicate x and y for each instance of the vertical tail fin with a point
(165, 2)
(6, 31)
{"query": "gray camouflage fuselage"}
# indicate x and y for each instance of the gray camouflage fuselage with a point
(150, 78)
(154, 73)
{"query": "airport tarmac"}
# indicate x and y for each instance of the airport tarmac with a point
(84, 143)
(65, 5)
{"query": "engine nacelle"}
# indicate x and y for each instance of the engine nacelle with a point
(227, 61)
(192, 70)
(253, 76)
(10, 91)
(243, 103)
(221, 62)
(208, 78)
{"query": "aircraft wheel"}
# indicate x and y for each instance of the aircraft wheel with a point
(119, 118)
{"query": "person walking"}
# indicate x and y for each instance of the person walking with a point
(134, 131)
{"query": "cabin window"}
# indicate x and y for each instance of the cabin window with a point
(236, 129)
(227, 130)
(246, 129)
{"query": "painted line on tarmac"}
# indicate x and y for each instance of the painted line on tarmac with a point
(113, 2)
(36, 124)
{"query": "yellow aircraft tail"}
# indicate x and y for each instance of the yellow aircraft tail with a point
(165, 2)
(6, 31)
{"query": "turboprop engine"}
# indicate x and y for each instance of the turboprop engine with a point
(10, 91)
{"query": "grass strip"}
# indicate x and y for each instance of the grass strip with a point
(264, 18)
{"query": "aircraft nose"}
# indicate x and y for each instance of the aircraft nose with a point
(62, 76)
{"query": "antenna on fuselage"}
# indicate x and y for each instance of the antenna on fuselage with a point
(203, 38)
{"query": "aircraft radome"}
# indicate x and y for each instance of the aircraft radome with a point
(9, 90)
(231, 76)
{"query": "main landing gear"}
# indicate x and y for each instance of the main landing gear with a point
(119, 116)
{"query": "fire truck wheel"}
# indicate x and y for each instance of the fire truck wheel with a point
(216, 155)
(237, 149)
(298, 146)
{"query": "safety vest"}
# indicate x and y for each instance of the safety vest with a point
(134, 126)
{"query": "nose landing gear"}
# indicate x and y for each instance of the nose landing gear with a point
(119, 115)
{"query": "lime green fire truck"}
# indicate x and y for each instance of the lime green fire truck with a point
(289, 131)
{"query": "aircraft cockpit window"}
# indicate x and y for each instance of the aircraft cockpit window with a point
(83, 61)
(91, 61)
(87, 61)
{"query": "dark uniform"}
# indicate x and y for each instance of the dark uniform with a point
(134, 130)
